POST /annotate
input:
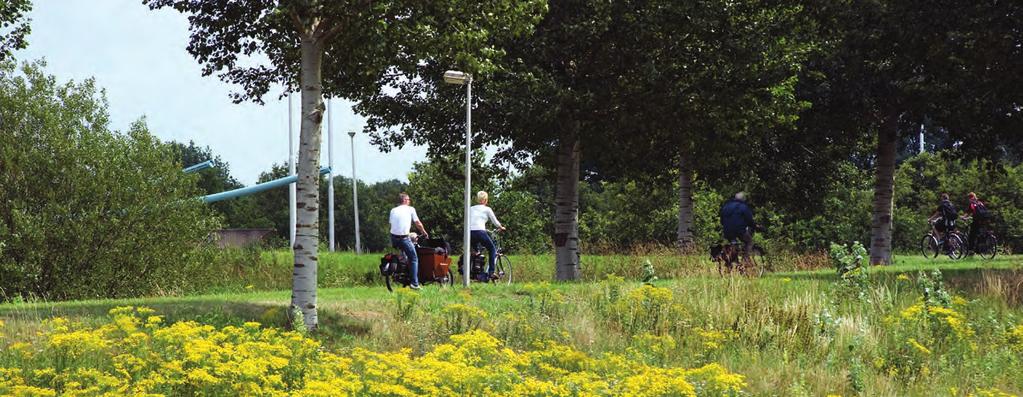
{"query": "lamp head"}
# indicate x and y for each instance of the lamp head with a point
(456, 77)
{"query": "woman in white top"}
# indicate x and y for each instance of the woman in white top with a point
(478, 216)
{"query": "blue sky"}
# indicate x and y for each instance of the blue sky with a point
(138, 56)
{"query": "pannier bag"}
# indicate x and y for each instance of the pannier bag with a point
(389, 264)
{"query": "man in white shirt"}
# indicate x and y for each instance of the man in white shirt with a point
(402, 217)
(478, 217)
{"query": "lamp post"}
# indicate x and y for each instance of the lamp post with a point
(355, 198)
(330, 178)
(456, 77)
(292, 192)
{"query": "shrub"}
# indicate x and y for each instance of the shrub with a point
(88, 212)
(848, 259)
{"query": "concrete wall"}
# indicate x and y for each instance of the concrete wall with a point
(240, 237)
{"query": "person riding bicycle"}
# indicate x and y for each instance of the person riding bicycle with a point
(737, 221)
(478, 216)
(944, 217)
(402, 217)
(978, 212)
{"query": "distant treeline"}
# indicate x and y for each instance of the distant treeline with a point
(625, 215)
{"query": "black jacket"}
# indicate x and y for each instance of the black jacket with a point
(736, 216)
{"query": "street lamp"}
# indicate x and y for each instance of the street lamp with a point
(330, 177)
(292, 188)
(456, 77)
(355, 198)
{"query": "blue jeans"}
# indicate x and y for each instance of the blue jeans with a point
(405, 245)
(481, 236)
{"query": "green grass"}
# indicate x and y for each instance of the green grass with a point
(272, 270)
(790, 333)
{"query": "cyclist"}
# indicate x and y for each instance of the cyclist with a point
(478, 216)
(944, 217)
(981, 217)
(402, 217)
(737, 221)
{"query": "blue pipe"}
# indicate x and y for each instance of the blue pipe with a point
(198, 167)
(256, 188)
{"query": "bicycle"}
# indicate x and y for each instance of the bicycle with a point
(729, 256)
(952, 245)
(434, 265)
(502, 265)
(987, 243)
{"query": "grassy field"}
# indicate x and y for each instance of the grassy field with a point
(236, 270)
(897, 330)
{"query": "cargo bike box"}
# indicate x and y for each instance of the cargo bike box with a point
(434, 264)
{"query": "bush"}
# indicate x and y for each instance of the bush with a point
(88, 212)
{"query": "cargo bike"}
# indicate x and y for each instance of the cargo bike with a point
(434, 265)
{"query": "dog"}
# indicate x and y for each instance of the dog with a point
(716, 251)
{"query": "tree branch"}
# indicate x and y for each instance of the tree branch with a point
(299, 26)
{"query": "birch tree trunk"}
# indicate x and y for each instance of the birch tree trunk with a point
(303, 287)
(685, 204)
(566, 211)
(884, 193)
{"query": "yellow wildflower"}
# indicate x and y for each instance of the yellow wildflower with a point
(919, 347)
(201, 377)
(991, 392)
(1016, 338)
(912, 312)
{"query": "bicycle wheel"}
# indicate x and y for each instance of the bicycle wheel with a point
(759, 263)
(929, 246)
(449, 279)
(956, 246)
(987, 246)
(503, 271)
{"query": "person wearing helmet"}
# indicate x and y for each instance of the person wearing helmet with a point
(944, 217)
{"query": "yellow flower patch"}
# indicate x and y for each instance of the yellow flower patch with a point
(129, 356)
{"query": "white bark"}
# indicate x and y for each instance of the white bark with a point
(303, 292)
(684, 232)
(884, 194)
(566, 211)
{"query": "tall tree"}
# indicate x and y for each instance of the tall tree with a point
(697, 87)
(891, 70)
(547, 100)
(339, 49)
(611, 83)
(14, 26)
(716, 79)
